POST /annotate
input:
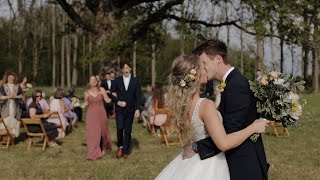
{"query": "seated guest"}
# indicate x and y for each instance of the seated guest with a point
(58, 105)
(36, 112)
(157, 102)
(75, 101)
(43, 103)
(68, 110)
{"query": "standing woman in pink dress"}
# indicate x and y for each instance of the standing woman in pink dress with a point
(97, 126)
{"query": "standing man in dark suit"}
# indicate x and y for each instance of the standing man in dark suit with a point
(238, 109)
(126, 89)
(106, 83)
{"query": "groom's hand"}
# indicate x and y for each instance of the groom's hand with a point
(187, 151)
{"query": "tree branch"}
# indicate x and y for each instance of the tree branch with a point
(207, 24)
(74, 15)
(14, 14)
(158, 16)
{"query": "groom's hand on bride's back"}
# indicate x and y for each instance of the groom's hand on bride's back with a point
(188, 151)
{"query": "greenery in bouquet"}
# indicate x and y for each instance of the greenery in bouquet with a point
(277, 97)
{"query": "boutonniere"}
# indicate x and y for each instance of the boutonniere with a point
(222, 86)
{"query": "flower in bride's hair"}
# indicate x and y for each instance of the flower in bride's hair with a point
(193, 72)
(187, 78)
(191, 77)
(182, 83)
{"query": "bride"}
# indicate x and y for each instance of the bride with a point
(197, 118)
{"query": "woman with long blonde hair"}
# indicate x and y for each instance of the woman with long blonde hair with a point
(197, 118)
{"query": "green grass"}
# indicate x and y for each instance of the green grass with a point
(297, 157)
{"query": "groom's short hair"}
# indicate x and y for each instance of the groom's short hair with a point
(213, 47)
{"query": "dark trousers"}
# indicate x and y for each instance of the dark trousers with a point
(78, 112)
(109, 109)
(124, 122)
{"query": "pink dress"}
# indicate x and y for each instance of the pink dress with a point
(97, 128)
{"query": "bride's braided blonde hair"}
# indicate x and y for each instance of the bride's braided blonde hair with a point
(180, 97)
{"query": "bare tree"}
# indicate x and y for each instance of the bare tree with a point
(53, 22)
(90, 51)
(135, 59)
(63, 41)
(153, 65)
(68, 59)
(75, 58)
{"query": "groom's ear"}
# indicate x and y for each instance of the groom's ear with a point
(218, 58)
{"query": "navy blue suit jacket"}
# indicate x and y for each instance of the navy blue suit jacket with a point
(132, 96)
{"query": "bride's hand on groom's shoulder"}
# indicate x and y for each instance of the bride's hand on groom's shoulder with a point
(260, 125)
(187, 151)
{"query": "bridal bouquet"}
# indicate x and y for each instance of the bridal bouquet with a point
(75, 102)
(277, 98)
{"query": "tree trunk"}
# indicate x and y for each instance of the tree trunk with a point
(306, 62)
(292, 58)
(281, 54)
(241, 52)
(68, 59)
(75, 59)
(53, 21)
(228, 28)
(315, 82)
(134, 59)
(153, 65)
(35, 51)
(259, 63)
(23, 45)
(182, 26)
(63, 41)
(90, 51)
(272, 45)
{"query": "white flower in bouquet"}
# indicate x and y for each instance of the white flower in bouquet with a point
(29, 85)
(279, 81)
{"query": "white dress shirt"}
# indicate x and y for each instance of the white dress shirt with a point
(109, 84)
(227, 73)
(126, 81)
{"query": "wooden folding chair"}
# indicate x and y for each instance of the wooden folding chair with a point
(56, 114)
(169, 135)
(5, 133)
(274, 130)
(42, 135)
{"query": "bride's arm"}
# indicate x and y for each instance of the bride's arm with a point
(224, 141)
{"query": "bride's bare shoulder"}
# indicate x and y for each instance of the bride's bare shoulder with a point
(208, 104)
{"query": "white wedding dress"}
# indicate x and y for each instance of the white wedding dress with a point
(214, 168)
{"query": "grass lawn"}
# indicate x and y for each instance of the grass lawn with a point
(297, 157)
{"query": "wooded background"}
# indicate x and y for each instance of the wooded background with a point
(62, 42)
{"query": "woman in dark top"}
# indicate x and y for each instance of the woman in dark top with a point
(36, 112)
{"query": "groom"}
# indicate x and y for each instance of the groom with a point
(238, 109)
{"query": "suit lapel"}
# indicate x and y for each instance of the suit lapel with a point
(226, 90)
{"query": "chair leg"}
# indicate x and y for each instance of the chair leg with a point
(44, 144)
(8, 142)
(286, 131)
(30, 142)
(274, 128)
